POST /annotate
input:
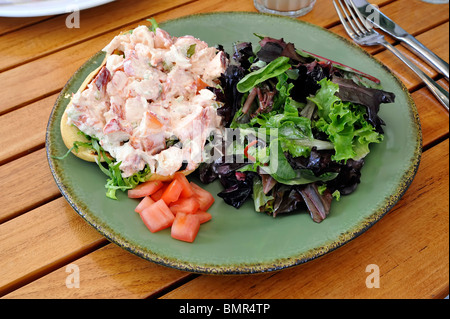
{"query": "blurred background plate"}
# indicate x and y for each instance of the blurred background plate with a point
(39, 8)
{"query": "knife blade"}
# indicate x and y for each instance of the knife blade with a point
(381, 21)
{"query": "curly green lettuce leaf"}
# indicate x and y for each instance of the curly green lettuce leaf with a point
(345, 124)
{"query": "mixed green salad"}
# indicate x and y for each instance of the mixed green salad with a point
(305, 126)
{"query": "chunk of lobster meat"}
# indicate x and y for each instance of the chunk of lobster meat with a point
(201, 59)
(142, 35)
(170, 161)
(114, 62)
(116, 131)
(121, 43)
(179, 83)
(102, 79)
(215, 68)
(149, 136)
(135, 109)
(150, 88)
(162, 39)
(118, 85)
(131, 162)
(186, 42)
(137, 66)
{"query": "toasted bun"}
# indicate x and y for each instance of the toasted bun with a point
(70, 135)
(69, 132)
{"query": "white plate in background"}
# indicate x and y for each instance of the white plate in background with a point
(39, 8)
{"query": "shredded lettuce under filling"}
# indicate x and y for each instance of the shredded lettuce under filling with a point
(109, 167)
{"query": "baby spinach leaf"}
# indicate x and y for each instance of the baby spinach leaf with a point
(271, 70)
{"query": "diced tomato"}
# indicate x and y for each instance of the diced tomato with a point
(187, 188)
(145, 202)
(205, 198)
(145, 189)
(201, 84)
(152, 121)
(203, 216)
(157, 196)
(172, 192)
(185, 227)
(188, 205)
(251, 158)
(157, 216)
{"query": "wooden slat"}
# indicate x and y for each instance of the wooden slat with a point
(12, 24)
(107, 273)
(41, 239)
(29, 126)
(417, 16)
(28, 183)
(52, 34)
(434, 118)
(413, 260)
(54, 71)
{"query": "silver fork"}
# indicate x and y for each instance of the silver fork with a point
(362, 32)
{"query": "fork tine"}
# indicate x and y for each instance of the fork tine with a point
(355, 28)
(364, 21)
(349, 30)
(351, 10)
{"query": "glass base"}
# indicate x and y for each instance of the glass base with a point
(292, 13)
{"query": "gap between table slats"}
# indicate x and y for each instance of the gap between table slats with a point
(9, 25)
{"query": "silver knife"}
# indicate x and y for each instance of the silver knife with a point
(381, 21)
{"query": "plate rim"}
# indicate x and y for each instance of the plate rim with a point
(280, 264)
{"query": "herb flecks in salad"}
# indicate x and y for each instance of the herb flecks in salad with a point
(306, 125)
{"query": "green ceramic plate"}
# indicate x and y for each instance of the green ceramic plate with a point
(243, 241)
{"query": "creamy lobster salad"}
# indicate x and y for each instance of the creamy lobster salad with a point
(149, 105)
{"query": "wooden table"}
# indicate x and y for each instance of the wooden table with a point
(42, 238)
